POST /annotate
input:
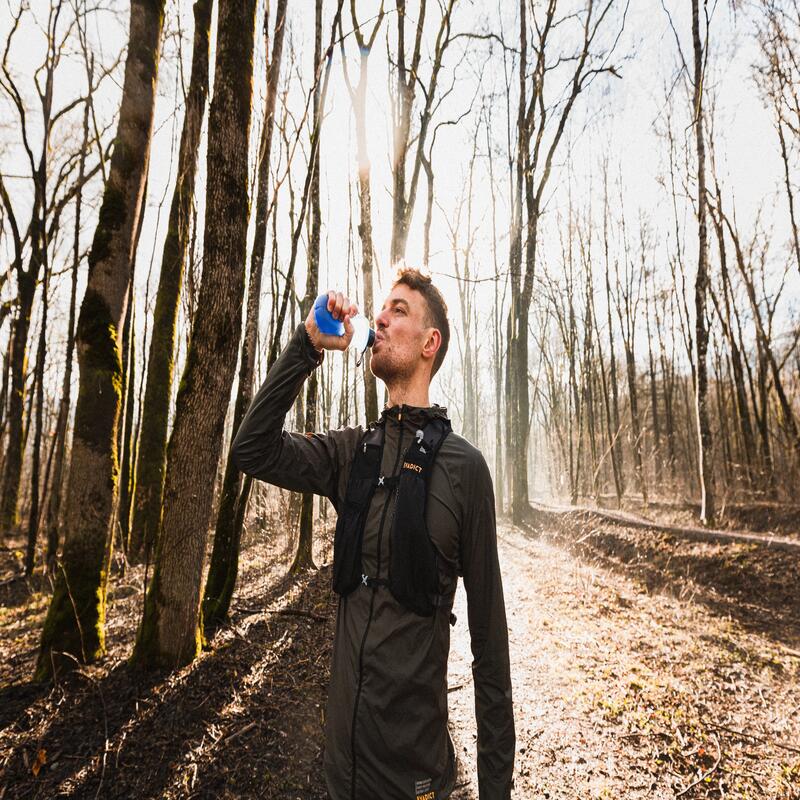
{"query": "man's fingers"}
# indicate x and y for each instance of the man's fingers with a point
(339, 305)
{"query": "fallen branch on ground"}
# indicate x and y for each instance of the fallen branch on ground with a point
(628, 520)
(716, 726)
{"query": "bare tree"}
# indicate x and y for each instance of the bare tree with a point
(149, 484)
(778, 36)
(407, 81)
(171, 630)
(76, 617)
(358, 99)
(224, 566)
(60, 442)
(304, 554)
(540, 129)
(169, 635)
(707, 498)
(53, 186)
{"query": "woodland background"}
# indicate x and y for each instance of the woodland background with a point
(606, 192)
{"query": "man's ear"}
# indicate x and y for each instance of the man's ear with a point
(432, 343)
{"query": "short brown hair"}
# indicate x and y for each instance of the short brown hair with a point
(436, 314)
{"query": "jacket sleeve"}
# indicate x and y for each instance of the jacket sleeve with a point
(307, 462)
(489, 641)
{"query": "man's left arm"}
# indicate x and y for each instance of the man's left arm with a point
(489, 640)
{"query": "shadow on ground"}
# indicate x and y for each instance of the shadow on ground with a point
(246, 719)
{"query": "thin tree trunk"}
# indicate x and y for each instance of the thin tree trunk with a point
(33, 517)
(60, 444)
(706, 462)
(614, 420)
(151, 463)
(304, 556)
(743, 413)
(358, 98)
(12, 465)
(657, 458)
(789, 194)
(127, 443)
(636, 429)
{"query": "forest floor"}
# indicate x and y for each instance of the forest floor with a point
(643, 666)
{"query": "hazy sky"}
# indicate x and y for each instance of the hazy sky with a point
(617, 118)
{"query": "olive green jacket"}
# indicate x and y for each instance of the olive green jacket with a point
(386, 724)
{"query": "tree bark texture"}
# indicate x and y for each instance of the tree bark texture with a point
(33, 516)
(707, 510)
(224, 566)
(60, 444)
(304, 555)
(170, 635)
(76, 618)
(149, 482)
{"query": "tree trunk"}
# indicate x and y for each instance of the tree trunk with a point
(224, 567)
(149, 483)
(615, 428)
(743, 412)
(76, 617)
(126, 441)
(403, 200)
(636, 430)
(304, 557)
(12, 471)
(33, 517)
(657, 456)
(706, 472)
(358, 99)
(170, 635)
(60, 444)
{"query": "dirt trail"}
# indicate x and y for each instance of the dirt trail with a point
(621, 689)
(623, 693)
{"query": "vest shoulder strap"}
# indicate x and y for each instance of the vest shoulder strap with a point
(422, 452)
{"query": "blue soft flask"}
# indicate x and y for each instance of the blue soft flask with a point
(363, 337)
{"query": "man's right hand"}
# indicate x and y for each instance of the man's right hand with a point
(342, 309)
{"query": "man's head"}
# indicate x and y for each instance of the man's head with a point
(412, 331)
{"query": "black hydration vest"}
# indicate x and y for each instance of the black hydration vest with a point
(413, 573)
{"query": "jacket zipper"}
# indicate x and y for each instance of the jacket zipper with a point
(369, 622)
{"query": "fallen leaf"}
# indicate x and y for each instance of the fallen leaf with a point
(41, 759)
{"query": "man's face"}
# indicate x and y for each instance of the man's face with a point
(400, 335)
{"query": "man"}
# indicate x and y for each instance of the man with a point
(386, 725)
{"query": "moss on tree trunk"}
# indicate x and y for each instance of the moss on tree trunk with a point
(170, 632)
(76, 617)
(152, 455)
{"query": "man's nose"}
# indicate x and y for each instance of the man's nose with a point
(382, 320)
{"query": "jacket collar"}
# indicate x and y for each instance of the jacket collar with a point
(417, 414)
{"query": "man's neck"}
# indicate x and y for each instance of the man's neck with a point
(409, 396)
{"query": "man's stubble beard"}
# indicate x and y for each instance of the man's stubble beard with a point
(387, 369)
